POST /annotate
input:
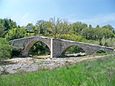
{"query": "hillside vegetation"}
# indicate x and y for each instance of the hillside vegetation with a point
(56, 28)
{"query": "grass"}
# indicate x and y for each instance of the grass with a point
(100, 72)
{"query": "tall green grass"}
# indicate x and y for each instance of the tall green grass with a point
(100, 72)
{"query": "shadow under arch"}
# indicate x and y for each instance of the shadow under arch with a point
(101, 51)
(38, 48)
(73, 51)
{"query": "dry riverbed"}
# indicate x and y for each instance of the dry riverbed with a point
(29, 64)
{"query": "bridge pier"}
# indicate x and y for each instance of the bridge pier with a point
(24, 53)
(56, 49)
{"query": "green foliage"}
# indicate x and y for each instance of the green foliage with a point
(107, 33)
(16, 33)
(71, 37)
(53, 27)
(41, 27)
(1, 30)
(5, 49)
(78, 27)
(98, 33)
(108, 27)
(89, 33)
(58, 27)
(6, 25)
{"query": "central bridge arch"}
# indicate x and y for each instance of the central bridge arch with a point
(25, 44)
(31, 42)
(35, 46)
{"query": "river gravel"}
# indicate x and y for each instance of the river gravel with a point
(17, 65)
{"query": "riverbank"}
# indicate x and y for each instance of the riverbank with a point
(93, 72)
(17, 65)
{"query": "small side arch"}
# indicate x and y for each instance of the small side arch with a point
(101, 51)
(73, 50)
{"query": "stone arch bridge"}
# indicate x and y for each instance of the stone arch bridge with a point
(56, 46)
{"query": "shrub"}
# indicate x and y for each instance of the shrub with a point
(72, 37)
(5, 49)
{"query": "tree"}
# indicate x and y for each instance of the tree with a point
(6, 25)
(1, 30)
(108, 27)
(16, 33)
(5, 49)
(89, 33)
(9, 24)
(78, 27)
(41, 28)
(30, 27)
(53, 27)
(103, 32)
(90, 27)
(107, 33)
(58, 27)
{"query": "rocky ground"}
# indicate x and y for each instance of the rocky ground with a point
(29, 64)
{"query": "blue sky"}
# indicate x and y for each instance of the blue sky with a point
(88, 11)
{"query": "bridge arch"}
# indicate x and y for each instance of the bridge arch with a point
(72, 49)
(31, 43)
(39, 48)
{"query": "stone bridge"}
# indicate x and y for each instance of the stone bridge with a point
(56, 46)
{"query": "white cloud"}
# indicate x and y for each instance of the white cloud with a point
(22, 19)
(101, 20)
(96, 20)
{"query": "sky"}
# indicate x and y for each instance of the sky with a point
(95, 12)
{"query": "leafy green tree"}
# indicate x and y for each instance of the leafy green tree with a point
(73, 37)
(97, 33)
(6, 25)
(9, 24)
(89, 33)
(107, 33)
(41, 28)
(16, 33)
(1, 30)
(78, 27)
(58, 27)
(108, 27)
(53, 27)
(5, 49)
